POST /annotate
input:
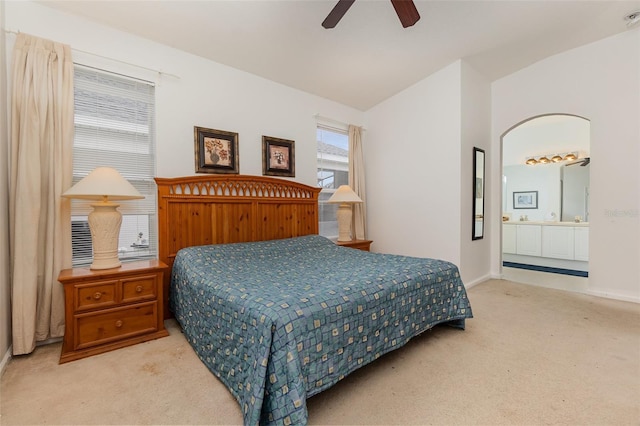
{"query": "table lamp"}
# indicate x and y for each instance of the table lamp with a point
(345, 197)
(104, 185)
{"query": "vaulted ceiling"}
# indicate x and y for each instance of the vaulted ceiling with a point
(368, 56)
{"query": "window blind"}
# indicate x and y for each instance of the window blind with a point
(115, 127)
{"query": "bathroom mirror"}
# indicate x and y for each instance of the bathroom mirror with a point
(477, 228)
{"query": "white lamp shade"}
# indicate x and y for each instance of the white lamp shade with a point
(101, 184)
(344, 194)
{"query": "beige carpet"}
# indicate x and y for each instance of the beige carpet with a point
(530, 356)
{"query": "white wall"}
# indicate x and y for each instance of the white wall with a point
(193, 92)
(601, 82)
(475, 127)
(5, 287)
(419, 162)
(412, 156)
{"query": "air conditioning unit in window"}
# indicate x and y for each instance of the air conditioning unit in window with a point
(81, 240)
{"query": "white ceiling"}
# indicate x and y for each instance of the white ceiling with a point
(368, 57)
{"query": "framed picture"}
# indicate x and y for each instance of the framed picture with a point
(216, 151)
(525, 200)
(278, 157)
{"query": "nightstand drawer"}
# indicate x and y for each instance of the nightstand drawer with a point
(139, 288)
(115, 324)
(95, 295)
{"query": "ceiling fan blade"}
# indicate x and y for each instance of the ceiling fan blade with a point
(337, 13)
(406, 11)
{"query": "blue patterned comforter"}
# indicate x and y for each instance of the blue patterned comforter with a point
(279, 321)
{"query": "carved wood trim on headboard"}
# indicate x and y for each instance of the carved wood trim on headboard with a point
(216, 209)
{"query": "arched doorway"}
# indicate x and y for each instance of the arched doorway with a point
(545, 201)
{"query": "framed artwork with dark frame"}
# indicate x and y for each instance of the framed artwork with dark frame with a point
(216, 151)
(525, 200)
(278, 157)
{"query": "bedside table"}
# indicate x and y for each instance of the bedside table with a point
(111, 308)
(356, 244)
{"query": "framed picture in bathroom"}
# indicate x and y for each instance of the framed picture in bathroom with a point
(525, 200)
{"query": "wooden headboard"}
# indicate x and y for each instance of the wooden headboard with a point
(216, 209)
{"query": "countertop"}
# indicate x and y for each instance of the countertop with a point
(545, 223)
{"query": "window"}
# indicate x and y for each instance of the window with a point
(115, 127)
(333, 171)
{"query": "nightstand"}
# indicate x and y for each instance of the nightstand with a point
(111, 308)
(356, 244)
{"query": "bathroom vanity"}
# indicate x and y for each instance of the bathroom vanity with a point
(551, 244)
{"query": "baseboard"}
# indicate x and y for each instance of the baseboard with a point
(613, 296)
(49, 341)
(477, 281)
(5, 359)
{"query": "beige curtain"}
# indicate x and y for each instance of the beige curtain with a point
(41, 169)
(356, 182)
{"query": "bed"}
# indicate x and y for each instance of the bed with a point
(277, 312)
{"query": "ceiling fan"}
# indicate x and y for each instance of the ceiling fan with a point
(405, 9)
(583, 162)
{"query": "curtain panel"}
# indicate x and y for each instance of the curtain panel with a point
(41, 147)
(356, 182)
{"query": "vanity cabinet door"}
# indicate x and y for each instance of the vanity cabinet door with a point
(529, 240)
(581, 242)
(509, 239)
(558, 242)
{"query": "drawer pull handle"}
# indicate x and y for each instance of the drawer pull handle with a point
(118, 323)
(139, 289)
(97, 296)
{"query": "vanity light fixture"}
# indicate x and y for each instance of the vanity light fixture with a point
(551, 158)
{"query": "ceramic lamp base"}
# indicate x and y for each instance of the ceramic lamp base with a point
(104, 223)
(344, 222)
